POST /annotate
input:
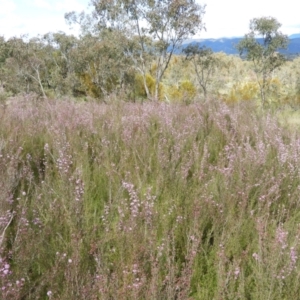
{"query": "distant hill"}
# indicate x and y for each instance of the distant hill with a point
(227, 45)
(294, 36)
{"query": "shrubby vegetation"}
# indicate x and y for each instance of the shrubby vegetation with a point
(126, 49)
(147, 201)
(263, 54)
(128, 172)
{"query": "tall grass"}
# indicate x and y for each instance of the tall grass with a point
(147, 201)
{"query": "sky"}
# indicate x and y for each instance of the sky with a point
(33, 17)
(223, 18)
(231, 18)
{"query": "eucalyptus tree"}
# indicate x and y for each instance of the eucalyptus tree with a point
(36, 67)
(204, 63)
(3, 50)
(25, 68)
(3, 57)
(155, 28)
(100, 63)
(261, 46)
(61, 55)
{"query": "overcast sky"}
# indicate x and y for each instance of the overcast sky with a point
(230, 18)
(223, 18)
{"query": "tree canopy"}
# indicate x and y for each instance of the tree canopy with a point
(157, 26)
(260, 46)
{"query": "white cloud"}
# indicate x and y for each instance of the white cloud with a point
(35, 17)
(42, 4)
(232, 17)
(223, 18)
(69, 5)
(7, 7)
(59, 5)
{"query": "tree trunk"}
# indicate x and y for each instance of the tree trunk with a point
(146, 87)
(40, 83)
(156, 95)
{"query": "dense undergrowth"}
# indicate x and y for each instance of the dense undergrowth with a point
(147, 201)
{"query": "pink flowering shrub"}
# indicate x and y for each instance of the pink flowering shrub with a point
(147, 201)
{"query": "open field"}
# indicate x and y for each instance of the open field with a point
(147, 201)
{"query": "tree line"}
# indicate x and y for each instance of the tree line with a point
(125, 47)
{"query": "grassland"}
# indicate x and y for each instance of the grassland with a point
(147, 201)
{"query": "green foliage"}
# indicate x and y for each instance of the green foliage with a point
(101, 65)
(263, 54)
(62, 52)
(157, 27)
(128, 54)
(204, 62)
